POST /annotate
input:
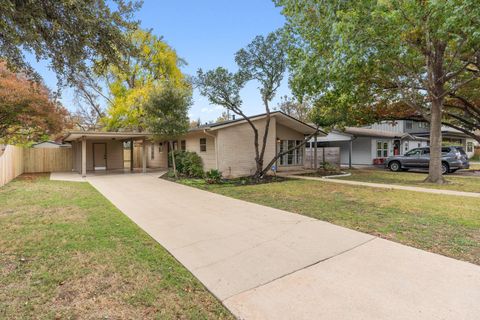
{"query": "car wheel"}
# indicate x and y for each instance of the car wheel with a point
(394, 166)
(445, 168)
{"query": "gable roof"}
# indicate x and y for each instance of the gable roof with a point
(282, 118)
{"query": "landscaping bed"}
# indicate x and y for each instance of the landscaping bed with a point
(67, 253)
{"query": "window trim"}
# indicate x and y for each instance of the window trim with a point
(152, 151)
(297, 156)
(382, 148)
(183, 145)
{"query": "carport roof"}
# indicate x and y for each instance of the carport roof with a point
(99, 135)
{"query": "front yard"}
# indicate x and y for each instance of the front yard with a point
(459, 183)
(68, 253)
(446, 225)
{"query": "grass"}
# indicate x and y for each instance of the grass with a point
(470, 184)
(446, 225)
(67, 253)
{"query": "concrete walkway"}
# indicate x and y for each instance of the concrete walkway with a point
(264, 263)
(389, 186)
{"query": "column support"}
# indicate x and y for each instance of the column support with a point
(350, 147)
(84, 156)
(315, 156)
(144, 155)
(131, 154)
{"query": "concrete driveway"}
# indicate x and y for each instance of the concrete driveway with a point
(264, 263)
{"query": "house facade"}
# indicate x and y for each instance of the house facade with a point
(229, 146)
(226, 146)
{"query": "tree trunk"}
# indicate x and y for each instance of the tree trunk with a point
(435, 165)
(173, 159)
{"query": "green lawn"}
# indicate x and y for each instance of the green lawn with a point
(471, 184)
(68, 253)
(437, 223)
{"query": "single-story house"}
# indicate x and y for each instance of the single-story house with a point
(366, 146)
(226, 146)
(51, 144)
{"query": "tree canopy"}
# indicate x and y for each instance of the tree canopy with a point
(146, 68)
(352, 56)
(28, 111)
(71, 35)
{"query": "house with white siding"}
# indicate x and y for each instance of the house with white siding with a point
(227, 146)
(372, 144)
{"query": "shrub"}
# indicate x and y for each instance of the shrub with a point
(187, 163)
(213, 176)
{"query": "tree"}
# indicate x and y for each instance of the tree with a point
(70, 34)
(166, 114)
(352, 55)
(294, 108)
(145, 68)
(28, 111)
(262, 60)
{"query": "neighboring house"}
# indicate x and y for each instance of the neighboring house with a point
(450, 136)
(372, 144)
(226, 146)
(51, 144)
(367, 146)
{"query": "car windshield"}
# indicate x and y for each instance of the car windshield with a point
(462, 152)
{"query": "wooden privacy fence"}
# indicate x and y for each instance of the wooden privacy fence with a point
(17, 160)
(11, 164)
(327, 154)
(37, 160)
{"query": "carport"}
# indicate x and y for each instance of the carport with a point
(101, 151)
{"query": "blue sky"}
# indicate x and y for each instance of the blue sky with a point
(206, 34)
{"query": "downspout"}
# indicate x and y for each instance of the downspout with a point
(215, 146)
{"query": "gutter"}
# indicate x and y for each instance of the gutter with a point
(215, 146)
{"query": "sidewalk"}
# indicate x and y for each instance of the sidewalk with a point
(389, 186)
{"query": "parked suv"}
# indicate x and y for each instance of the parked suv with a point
(453, 158)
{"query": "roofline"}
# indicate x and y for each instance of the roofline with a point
(105, 133)
(254, 117)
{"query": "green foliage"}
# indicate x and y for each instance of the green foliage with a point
(148, 68)
(166, 112)
(354, 56)
(69, 34)
(188, 164)
(213, 176)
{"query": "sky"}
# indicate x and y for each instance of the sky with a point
(206, 34)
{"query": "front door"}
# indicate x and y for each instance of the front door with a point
(99, 156)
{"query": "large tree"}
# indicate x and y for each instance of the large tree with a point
(166, 114)
(263, 60)
(351, 55)
(71, 35)
(150, 63)
(28, 111)
(295, 108)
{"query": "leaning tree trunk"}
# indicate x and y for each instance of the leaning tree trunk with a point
(435, 166)
(173, 159)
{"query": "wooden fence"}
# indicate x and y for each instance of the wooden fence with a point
(328, 154)
(137, 157)
(37, 160)
(11, 164)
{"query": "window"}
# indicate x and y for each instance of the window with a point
(152, 151)
(203, 144)
(469, 146)
(183, 145)
(160, 147)
(294, 157)
(408, 124)
(382, 149)
(413, 153)
(423, 125)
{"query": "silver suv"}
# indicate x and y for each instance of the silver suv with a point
(453, 158)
